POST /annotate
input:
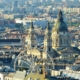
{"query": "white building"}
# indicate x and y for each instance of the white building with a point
(71, 74)
(19, 75)
(2, 76)
(9, 76)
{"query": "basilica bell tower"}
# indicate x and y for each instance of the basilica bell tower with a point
(48, 40)
(31, 37)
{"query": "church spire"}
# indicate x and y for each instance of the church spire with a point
(32, 24)
(48, 26)
(32, 36)
(48, 39)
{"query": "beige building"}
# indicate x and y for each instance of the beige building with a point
(9, 76)
(31, 38)
(57, 42)
(8, 16)
(34, 76)
(19, 75)
(72, 10)
(60, 34)
(32, 44)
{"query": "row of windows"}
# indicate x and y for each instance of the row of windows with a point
(62, 41)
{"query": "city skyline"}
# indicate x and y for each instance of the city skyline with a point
(39, 39)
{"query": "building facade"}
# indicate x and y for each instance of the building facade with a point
(56, 41)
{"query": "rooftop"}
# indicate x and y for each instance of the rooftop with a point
(19, 75)
(34, 76)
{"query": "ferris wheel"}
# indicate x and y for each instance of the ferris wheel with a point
(32, 64)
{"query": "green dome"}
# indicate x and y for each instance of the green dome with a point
(60, 25)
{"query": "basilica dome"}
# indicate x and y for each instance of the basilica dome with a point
(60, 25)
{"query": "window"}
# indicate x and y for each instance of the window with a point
(64, 41)
(49, 49)
(60, 41)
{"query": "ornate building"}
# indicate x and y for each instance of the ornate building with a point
(32, 44)
(57, 42)
(31, 38)
(60, 35)
(48, 40)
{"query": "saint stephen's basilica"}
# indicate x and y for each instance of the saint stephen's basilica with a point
(57, 41)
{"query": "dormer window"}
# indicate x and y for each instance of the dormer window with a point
(64, 41)
(49, 49)
(60, 41)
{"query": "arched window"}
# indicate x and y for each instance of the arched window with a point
(64, 41)
(60, 41)
(67, 41)
(49, 49)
